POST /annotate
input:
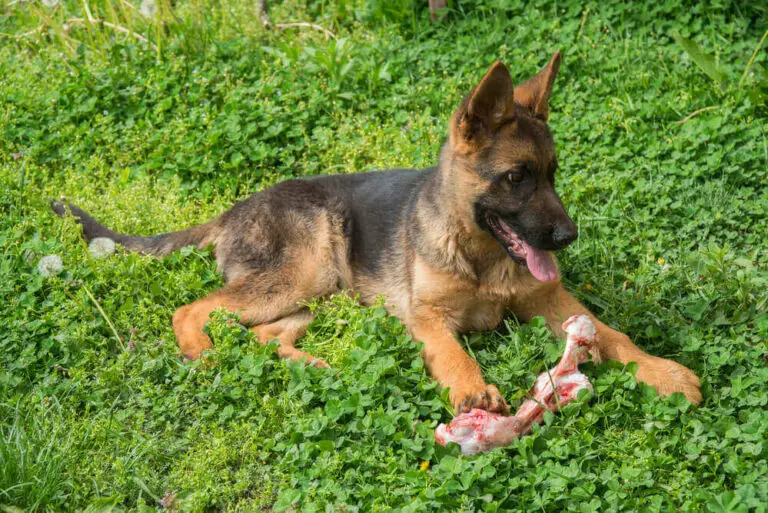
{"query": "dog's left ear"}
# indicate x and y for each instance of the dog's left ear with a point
(534, 93)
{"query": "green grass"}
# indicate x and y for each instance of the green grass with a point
(672, 251)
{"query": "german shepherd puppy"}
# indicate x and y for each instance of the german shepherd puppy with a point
(451, 248)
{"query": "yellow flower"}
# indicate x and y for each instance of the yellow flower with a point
(661, 261)
(424, 465)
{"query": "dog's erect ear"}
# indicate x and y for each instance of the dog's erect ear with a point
(492, 101)
(489, 105)
(534, 93)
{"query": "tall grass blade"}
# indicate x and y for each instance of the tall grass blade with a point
(703, 60)
(752, 59)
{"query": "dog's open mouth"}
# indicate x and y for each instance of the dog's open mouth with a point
(539, 261)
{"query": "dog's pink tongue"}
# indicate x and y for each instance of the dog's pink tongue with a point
(540, 263)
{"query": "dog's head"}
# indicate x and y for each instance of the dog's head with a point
(504, 154)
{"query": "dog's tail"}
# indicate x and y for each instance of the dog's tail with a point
(158, 245)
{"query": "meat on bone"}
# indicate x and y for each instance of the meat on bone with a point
(479, 431)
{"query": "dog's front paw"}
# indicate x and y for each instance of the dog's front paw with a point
(481, 396)
(668, 377)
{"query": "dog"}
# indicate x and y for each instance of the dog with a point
(451, 248)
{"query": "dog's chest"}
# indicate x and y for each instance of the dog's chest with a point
(470, 303)
(476, 314)
(480, 305)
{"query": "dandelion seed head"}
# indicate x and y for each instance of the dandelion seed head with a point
(50, 265)
(101, 247)
(148, 8)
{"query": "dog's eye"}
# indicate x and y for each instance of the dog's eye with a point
(515, 176)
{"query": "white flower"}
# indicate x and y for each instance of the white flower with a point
(50, 3)
(148, 8)
(50, 265)
(101, 247)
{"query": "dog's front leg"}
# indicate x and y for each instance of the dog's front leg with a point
(451, 366)
(666, 376)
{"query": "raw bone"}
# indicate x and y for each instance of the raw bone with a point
(479, 431)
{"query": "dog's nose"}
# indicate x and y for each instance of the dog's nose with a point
(564, 234)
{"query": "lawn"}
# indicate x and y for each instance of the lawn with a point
(659, 114)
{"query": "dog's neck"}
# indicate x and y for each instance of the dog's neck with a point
(459, 244)
(457, 190)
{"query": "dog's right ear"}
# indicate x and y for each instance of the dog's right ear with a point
(489, 105)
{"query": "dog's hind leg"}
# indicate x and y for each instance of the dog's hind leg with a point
(276, 251)
(267, 300)
(287, 331)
